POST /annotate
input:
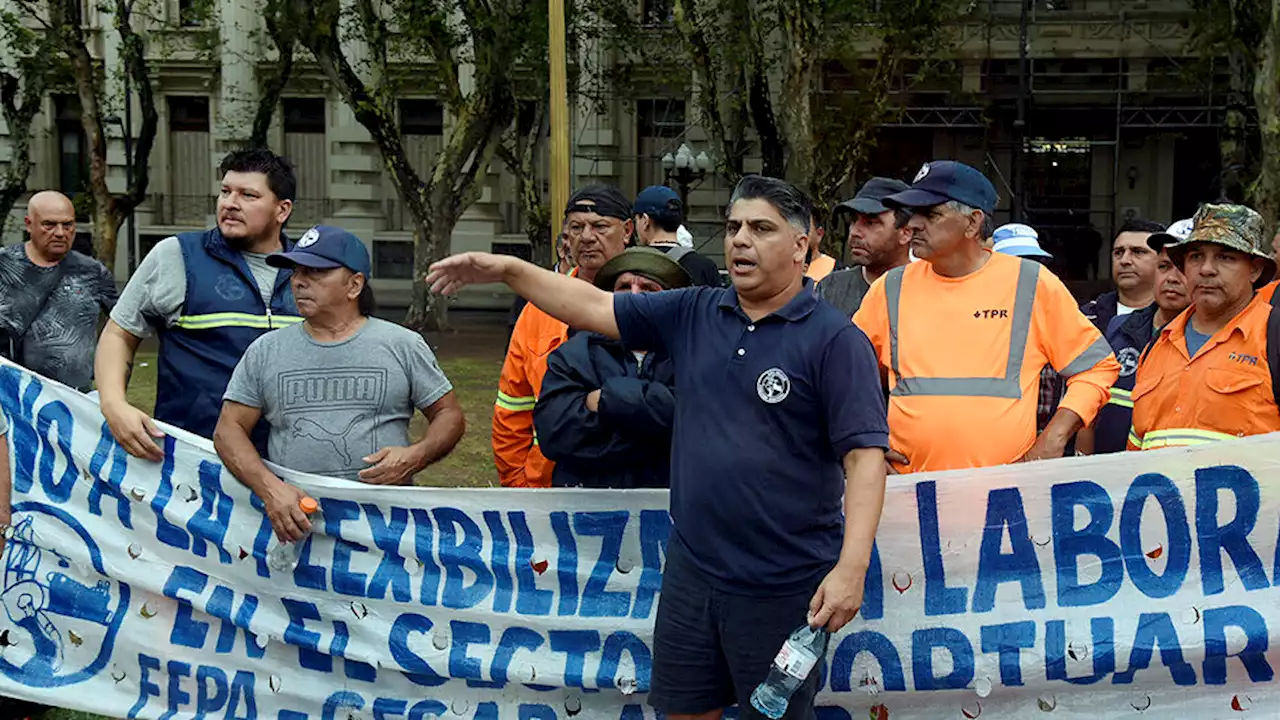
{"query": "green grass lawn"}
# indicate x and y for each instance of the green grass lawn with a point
(475, 380)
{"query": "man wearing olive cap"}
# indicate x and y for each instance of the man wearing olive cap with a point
(1209, 374)
(598, 224)
(606, 409)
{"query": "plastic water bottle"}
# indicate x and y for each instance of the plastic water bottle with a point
(797, 658)
(284, 557)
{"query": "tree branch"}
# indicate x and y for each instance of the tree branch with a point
(133, 54)
(282, 31)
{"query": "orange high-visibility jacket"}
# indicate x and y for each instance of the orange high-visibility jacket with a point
(1223, 392)
(515, 445)
(820, 267)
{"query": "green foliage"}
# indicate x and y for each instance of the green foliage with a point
(1223, 26)
(761, 66)
(1234, 32)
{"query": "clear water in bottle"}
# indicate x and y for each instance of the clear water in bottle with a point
(284, 556)
(797, 658)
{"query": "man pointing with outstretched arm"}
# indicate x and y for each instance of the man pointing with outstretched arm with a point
(780, 409)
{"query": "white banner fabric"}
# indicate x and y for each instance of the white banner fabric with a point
(1109, 587)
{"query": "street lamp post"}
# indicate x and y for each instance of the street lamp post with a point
(685, 169)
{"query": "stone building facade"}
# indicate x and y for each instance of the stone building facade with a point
(1115, 126)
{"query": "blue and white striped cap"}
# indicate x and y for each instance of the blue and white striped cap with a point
(1018, 240)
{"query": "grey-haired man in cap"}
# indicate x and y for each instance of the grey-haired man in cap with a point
(879, 241)
(963, 335)
(598, 223)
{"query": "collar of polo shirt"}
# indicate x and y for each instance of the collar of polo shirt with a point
(795, 309)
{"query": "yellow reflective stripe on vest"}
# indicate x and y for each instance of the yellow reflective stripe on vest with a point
(234, 319)
(515, 404)
(1134, 439)
(1009, 386)
(1121, 397)
(1179, 437)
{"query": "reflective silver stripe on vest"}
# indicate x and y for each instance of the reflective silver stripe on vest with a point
(1092, 355)
(1009, 386)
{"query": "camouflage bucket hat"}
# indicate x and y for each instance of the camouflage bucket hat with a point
(1232, 226)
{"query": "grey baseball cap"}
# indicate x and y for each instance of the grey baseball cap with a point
(869, 199)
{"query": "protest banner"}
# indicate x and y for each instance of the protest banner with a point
(1107, 587)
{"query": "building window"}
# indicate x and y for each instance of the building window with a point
(662, 118)
(660, 123)
(189, 15)
(306, 146)
(422, 128)
(421, 117)
(189, 200)
(392, 260)
(147, 242)
(658, 12)
(524, 251)
(188, 113)
(73, 149)
(83, 243)
(304, 115)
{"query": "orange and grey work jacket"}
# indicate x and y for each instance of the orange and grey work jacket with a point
(516, 455)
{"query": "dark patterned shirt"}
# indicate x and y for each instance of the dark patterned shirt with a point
(59, 340)
(1052, 390)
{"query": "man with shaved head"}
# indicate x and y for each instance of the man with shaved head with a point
(51, 296)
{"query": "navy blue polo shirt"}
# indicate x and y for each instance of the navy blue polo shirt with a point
(765, 414)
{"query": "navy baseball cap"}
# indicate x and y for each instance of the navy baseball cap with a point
(944, 180)
(324, 247)
(870, 197)
(658, 200)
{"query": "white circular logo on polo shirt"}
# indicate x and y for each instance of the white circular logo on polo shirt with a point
(924, 170)
(309, 238)
(1128, 359)
(773, 386)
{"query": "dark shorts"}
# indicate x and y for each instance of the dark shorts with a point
(711, 649)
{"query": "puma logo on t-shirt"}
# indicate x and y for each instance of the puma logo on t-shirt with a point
(304, 427)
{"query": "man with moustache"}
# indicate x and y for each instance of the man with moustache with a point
(879, 241)
(207, 295)
(1208, 375)
(777, 465)
(598, 224)
(1133, 268)
(1110, 432)
(52, 296)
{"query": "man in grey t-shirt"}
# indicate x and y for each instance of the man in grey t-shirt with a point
(337, 391)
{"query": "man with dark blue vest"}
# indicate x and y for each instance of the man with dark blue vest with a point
(207, 295)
